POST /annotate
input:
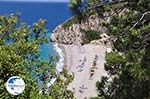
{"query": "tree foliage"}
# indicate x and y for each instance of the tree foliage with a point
(19, 56)
(80, 8)
(128, 66)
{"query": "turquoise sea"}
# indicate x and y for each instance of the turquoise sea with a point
(55, 13)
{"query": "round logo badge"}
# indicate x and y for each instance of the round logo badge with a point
(15, 85)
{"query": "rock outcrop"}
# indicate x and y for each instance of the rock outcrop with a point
(74, 34)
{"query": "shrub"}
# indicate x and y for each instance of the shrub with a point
(91, 35)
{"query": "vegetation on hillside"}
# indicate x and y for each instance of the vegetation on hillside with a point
(90, 35)
(128, 66)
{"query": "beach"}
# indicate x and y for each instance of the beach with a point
(86, 64)
(84, 61)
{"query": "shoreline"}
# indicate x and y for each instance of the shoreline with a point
(60, 64)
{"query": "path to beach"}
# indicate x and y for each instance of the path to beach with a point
(86, 63)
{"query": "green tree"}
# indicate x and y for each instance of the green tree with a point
(79, 9)
(57, 91)
(19, 52)
(19, 56)
(128, 65)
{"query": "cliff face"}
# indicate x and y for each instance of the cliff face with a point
(74, 34)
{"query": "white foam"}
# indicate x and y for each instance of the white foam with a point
(60, 63)
(51, 82)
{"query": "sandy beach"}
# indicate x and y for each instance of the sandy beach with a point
(86, 63)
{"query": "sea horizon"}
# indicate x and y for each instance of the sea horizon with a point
(54, 2)
(55, 12)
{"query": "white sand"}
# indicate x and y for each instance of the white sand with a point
(74, 56)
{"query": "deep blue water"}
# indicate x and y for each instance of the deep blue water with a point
(55, 13)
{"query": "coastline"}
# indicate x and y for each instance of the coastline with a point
(61, 62)
(84, 61)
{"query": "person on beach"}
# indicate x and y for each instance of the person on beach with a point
(95, 61)
(80, 70)
(91, 74)
(81, 91)
(83, 87)
(82, 64)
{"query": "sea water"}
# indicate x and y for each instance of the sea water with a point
(54, 13)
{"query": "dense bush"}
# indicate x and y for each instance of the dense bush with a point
(90, 35)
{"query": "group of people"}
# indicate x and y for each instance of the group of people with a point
(81, 67)
(81, 89)
(93, 67)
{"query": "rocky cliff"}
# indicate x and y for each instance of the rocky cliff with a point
(74, 34)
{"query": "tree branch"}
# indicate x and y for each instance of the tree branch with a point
(140, 19)
(102, 4)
